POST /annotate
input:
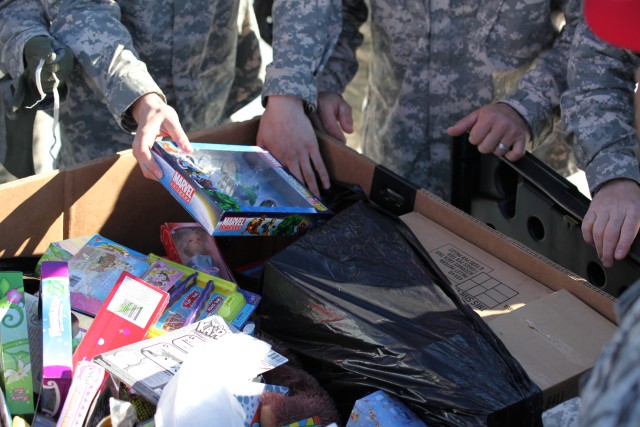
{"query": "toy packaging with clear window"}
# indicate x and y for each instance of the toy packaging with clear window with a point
(234, 190)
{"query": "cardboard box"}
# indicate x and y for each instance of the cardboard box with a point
(111, 197)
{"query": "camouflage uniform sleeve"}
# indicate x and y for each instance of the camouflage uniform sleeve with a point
(103, 47)
(598, 109)
(343, 64)
(21, 20)
(538, 92)
(304, 34)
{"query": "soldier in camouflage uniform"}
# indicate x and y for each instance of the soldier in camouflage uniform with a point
(148, 62)
(598, 113)
(434, 63)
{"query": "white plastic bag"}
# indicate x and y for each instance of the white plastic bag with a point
(198, 395)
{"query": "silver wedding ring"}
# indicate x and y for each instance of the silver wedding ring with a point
(502, 147)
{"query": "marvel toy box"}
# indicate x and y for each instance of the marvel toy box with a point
(238, 190)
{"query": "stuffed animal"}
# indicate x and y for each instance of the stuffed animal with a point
(306, 397)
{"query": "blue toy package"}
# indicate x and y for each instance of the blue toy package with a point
(238, 190)
(381, 410)
(95, 269)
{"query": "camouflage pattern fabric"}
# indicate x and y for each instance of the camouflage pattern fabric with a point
(186, 51)
(562, 415)
(433, 63)
(598, 109)
(304, 36)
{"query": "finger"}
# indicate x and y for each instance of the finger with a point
(321, 170)
(599, 226)
(493, 142)
(479, 133)
(310, 177)
(517, 151)
(587, 228)
(610, 240)
(628, 233)
(463, 125)
(143, 141)
(178, 136)
(345, 117)
(333, 129)
(329, 123)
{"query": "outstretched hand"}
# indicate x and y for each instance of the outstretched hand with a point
(286, 132)
(495, 128)
(613, 220)
(155, 119)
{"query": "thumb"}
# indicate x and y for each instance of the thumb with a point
(345, 117)
(463, 125)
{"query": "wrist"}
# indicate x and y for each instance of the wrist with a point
(142, 105)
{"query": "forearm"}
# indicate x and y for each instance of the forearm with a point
(104, 50)
(537, 95)
(343, 64)
(304, 35)
(598, 110)
(21, 21)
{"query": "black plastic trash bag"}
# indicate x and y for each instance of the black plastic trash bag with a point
(362, 304)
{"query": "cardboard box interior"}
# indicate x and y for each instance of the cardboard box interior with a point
(111, 197)
(543, 329)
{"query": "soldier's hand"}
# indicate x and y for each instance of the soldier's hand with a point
(335, 115)
(155, 119)
(56, 58)
(286, 132)
(496, 128)
(613, 220)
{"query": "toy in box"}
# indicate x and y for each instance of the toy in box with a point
(94, 270)
(63, 250)
(189, 244)
(219, 297)
(238, 190)
(14, 345)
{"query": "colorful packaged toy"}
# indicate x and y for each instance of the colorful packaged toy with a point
(14, 345)
(226, 299)
(378, 409)
(94, 270)
(57, 337)
(189, 244)
(238, 190)
(130, 309)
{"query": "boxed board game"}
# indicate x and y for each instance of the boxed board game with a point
(238, 190)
